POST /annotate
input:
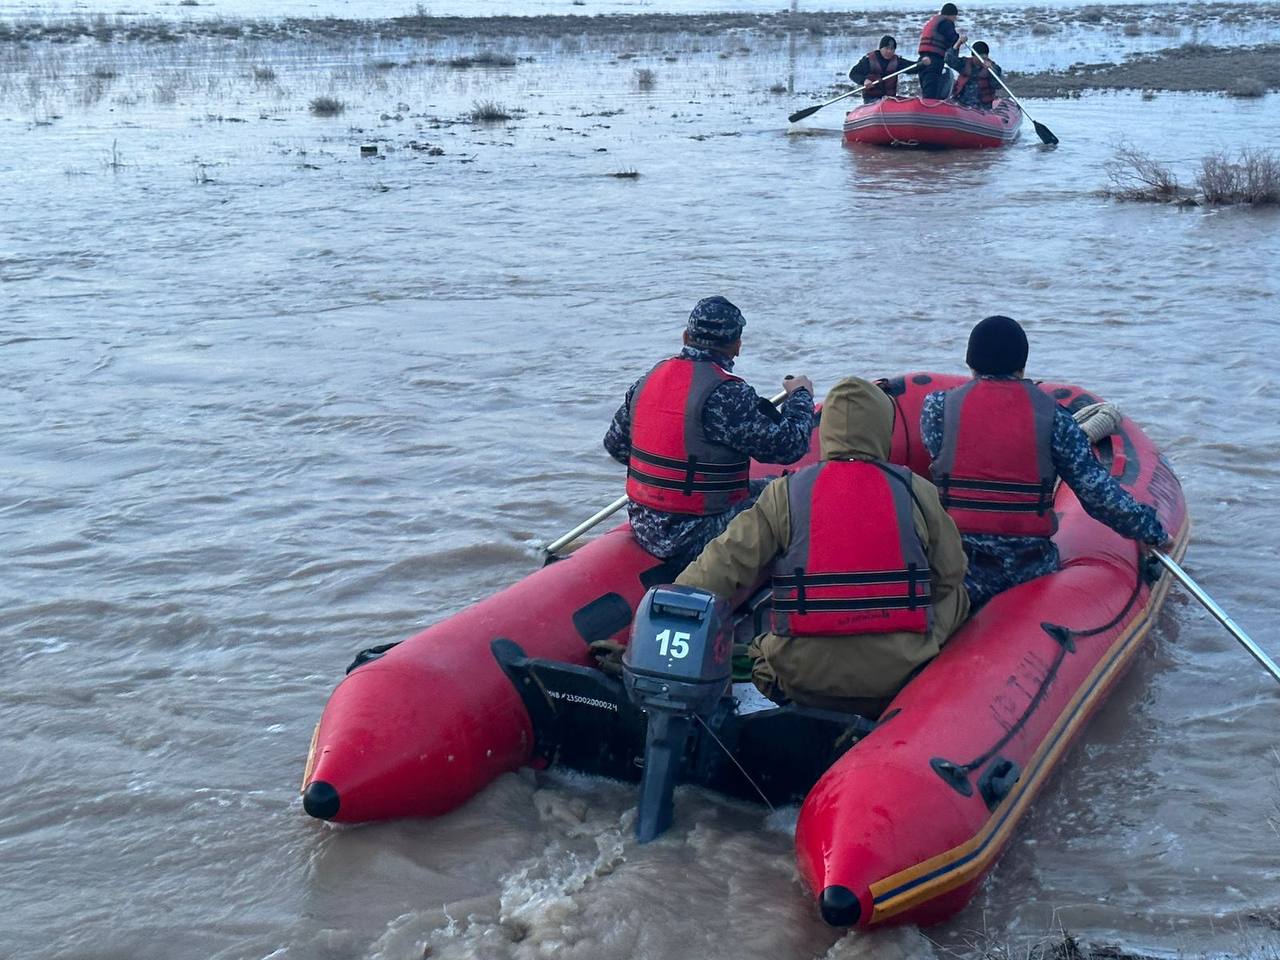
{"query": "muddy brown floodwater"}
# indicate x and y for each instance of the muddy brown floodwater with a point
(267, 401)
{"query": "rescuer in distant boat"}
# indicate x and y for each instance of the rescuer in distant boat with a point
(876, 64)
(688, 430)
(868, 569)
(938, 36)
(999, 445)
(975, 84)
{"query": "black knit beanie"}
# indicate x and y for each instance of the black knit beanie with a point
(997, 346)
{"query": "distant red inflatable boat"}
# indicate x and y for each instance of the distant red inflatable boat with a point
(899, 827)
(913, 122)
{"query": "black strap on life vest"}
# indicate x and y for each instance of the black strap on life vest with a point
(913, 576)
(1043, 492)
(731, 476)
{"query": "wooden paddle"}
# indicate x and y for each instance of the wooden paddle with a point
(810, 111)
(1043, 132)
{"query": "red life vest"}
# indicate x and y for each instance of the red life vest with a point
(931, 43)
(994, 471)
(855, 564)
(673, 466)
(975, 69)
(878, 69)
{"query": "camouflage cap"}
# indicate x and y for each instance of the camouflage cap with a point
(714, 322)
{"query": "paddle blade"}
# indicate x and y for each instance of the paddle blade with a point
(1045, 134)
(806, 112)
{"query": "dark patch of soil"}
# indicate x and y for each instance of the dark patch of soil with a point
(1191, 67)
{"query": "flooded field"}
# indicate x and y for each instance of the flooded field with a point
(279, 386)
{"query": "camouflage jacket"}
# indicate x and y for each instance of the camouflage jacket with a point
(997, 563)
(734, 415)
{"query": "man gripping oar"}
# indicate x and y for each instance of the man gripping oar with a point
(688, 430)
(877, 73)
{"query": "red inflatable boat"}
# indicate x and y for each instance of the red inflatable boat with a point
(899, 827)
(913, 122)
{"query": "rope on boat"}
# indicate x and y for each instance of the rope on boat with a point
(1099, 420)
(729, 753)
(893, 139)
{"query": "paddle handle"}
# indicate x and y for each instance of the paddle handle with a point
(600, 516)
(596, 518)
(1219, 614)
(1044, 133)
(810, 111)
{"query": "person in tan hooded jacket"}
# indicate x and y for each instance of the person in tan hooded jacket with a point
(865, 594)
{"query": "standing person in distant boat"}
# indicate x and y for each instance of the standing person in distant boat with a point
(975, 84)
(687, 432)
(999, 445)
(938, 36)
(876, 64)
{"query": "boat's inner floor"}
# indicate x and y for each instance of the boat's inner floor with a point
(748, 747)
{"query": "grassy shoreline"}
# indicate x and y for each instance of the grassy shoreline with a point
(1193, 67)
(114, 28)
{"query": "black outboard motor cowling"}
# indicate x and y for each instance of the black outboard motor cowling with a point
(677, 666)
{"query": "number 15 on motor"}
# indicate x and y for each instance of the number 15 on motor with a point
(674, 645)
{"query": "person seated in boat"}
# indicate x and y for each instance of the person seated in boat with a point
(688, 429)
(938, 36)
(878, 63)
(975, 85)
(867, 568)
(999, 445)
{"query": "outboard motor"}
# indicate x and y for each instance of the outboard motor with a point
(677, 667)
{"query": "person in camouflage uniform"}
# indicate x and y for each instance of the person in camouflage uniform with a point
(973, 87)
(998, 351)
(733, 415)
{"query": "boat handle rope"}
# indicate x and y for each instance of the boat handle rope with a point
(729, 753)
(956, 774)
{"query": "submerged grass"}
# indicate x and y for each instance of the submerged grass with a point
(327, 106)
(486, 58)
(488, 111)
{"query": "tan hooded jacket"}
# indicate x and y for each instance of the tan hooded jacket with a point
(857, 424)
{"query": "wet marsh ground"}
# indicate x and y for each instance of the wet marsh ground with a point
(282, 383)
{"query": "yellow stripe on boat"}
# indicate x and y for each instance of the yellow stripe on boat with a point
(962, 863)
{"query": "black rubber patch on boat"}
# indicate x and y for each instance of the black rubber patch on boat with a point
(1081, 401)
(665, 572)
(895, 387)
(956, 776)
(920, 379)
(369, 654)
(602, 617)
(995, 784)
